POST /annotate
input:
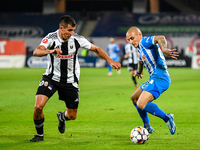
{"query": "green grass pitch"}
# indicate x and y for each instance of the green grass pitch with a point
(106, 115)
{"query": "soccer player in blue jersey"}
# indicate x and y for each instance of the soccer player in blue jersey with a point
(113, 50)
(151, 49)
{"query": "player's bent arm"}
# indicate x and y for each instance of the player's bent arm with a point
(41, 51)
(126, 56)
(161, 41)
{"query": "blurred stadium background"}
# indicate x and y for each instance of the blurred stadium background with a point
(23, 23)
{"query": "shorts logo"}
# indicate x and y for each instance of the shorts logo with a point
(41, 83)
(50, 87)
(46, 83)
(76, 100)
(44, 41)
(151, 82)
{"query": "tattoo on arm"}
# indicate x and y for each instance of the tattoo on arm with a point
(161, 41)
(96, 51)
(140, 66)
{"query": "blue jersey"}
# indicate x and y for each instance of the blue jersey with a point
(152, 56)
(113, 50)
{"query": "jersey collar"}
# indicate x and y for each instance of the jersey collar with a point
(59, 37)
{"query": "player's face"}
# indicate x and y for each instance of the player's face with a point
(67, 32)
(133, 38)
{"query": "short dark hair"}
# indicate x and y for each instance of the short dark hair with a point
(67, 19)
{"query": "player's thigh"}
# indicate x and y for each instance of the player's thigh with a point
(45, 90)
(40, 101)
(136, 95)
(144, 98)
(46, 87)
(133, 72)
(69, 94)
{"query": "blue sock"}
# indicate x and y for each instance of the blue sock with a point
(109, 68)
(153, 109)
(143, 115)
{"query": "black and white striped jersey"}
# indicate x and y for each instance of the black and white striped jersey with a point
(64, 68)
(132, 53)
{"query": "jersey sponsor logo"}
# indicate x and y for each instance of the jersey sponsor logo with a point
(64, 56)
(71, 46)
(45, 41)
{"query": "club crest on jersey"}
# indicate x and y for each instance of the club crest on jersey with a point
(71, 46)
(143, 57)
(64, 56)
(45, 41)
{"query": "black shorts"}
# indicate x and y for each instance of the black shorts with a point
(132, 67)
(66, 91)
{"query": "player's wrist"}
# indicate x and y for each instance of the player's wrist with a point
(138, 73)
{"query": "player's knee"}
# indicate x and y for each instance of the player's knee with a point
(38, 109)
(140, 105)
(133, 99)
(72, 117)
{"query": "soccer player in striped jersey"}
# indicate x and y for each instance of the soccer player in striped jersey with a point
(132, 55)
(151, 49)
(62, 72)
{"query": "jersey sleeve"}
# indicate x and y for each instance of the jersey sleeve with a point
(84, 43)
(46, 42)
(148, 41)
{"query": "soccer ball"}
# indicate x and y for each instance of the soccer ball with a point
(139, 135)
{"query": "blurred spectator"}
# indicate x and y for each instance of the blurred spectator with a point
(191, 50)
(113, 50)
(132, 55)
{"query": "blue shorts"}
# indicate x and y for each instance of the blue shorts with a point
(156, 85)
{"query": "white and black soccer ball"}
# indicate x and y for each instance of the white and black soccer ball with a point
(139, 135)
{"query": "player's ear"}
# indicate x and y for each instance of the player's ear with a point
(140, 34)
(61, 27)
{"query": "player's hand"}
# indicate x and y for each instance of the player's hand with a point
(115, 65)
(138, 75)
(57, 51)
(126, 56)
(171, 53)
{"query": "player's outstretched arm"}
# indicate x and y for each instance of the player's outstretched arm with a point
(160, 39)
(41, 51)
(103, 55)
